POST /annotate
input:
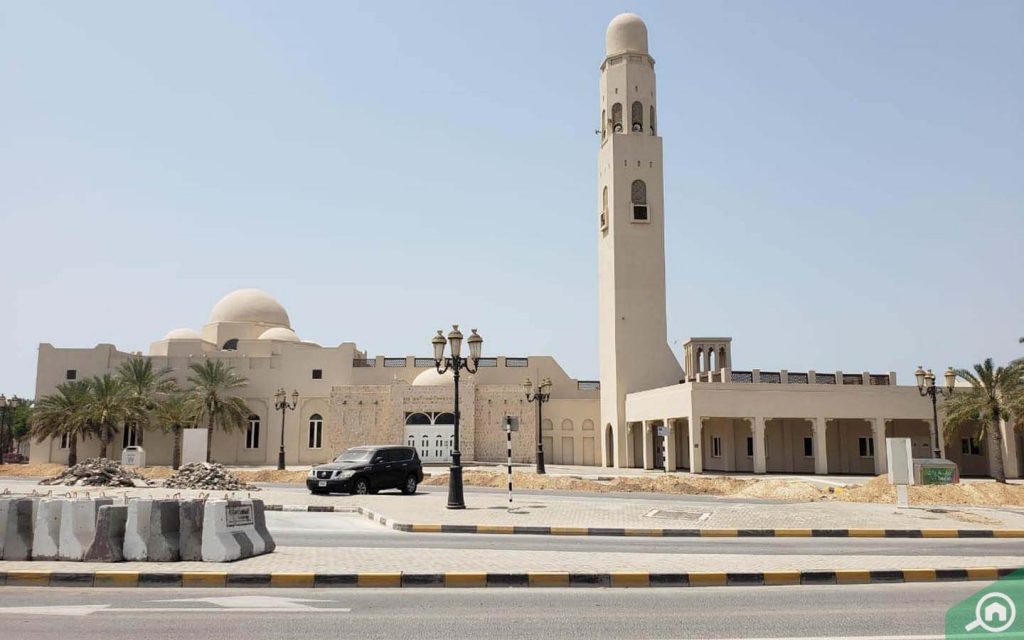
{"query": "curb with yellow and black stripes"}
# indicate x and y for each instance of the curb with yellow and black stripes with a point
(220, 579)
(656, 533)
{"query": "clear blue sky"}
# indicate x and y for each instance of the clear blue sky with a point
(844, 180)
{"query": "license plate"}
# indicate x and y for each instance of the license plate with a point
(322, 483)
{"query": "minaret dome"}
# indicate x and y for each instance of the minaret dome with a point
(626, 33)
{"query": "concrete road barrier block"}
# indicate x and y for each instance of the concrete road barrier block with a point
(108, 543)
(78, 526)
(46, 532)
(229, 531)
(152, 531)
(190, 530)
(16, 520)
(260, 523)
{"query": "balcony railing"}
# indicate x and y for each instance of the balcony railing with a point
(364, 362)
(394, 362)
(824, 378)
(797, 378)
(853, 378)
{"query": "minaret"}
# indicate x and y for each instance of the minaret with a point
(634, 350)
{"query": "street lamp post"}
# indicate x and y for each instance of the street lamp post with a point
(926, 387)
(540, 396)
(456, 363)
(7, 409)
(281, 404)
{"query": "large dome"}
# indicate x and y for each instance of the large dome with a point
(431, 378)
(252, 306)
(626, 32)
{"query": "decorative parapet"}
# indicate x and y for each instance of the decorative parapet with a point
(756, 376)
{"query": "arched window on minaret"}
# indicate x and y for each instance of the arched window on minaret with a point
(712, 360)
(638, 198)
(604, 125)
(617, 117)
(604, 207)
(652, 121)
(637, 120)
(700, 361)
(722, 359)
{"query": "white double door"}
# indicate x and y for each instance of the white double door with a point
(433, 442)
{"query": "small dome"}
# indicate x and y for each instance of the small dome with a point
(279, 333)
(626, 32)
(250, 305)
(431, 378)
(183, 334)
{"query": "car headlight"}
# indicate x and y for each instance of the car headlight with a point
(348, 473)
(312, 472)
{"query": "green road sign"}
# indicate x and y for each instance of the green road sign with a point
(991, 613)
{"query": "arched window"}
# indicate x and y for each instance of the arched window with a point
(638, 198)
(252, 433)
(445, 418)
(712, 360)
(316, 431)
(546, 426)
(653, 122)
(130, 437)
(700, 360)
(231, 345)
(637, 113)
(617, 117)
(603, 216)
(604, 124)
(721, 358)
(567, 425)
(417, 419)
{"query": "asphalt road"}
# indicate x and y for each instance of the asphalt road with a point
(298, 529)
(881, 612)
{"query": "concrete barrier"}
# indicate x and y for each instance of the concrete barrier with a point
(108, 544)
(190, 530)
(229, 531)
(78, 526)
(152, 531)
(16, 516)
(46, 532)
(260, 513)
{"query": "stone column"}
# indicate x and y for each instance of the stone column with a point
(696, 462)
(878, 433)
(671, 452)
(820, 447)
(648, 431)
(758, 429)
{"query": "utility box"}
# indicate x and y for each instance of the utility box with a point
(134, 456)
(193, 446)
(935, 471)
(901, 467)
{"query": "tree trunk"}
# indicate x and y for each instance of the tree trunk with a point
(138, 435)
(176, 453)
(73, 450)
(103, 446)
(209, 442)
(997, 446)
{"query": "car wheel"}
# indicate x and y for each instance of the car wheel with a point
(409, 487)
(361, 487)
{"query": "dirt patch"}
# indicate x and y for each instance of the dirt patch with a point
(271, 475)
(676, 484)
(989, 494)
(23, 470)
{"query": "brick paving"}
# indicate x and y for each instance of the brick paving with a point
(428, 560)
(596, 511)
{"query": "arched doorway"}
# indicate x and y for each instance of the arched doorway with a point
(609, 446)
(432, 434)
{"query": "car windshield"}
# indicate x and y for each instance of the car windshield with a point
(355, 455)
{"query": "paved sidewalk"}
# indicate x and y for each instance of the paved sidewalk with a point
(594, 511)
(427, 560)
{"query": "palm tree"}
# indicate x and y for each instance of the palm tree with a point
(211, 400)
(143, 386)
(108, 406)
(174, 413)
(62, 414)
(996, 394)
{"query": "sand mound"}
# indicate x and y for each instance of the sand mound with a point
(31, 470)
(991, 494)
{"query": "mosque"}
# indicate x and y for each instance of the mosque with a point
(651, 408)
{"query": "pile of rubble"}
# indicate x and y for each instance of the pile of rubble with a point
(98, 472)
(209, 476)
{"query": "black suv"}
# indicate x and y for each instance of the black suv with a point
(365, 470)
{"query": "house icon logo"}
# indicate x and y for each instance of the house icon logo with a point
(995, 612)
